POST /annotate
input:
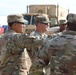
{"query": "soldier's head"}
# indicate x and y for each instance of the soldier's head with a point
(42, 23)
(62, 24)
(71, 21)
(16, 22)
(42, 19)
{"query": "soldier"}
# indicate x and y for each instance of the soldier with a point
(62, 25)
(42, 23)
(41, 27)
(12, 53)
(60, 51)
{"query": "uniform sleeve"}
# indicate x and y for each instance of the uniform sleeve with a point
(20, 41)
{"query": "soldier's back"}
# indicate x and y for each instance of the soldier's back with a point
(63, 54)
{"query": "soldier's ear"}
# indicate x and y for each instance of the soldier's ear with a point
(15, 24)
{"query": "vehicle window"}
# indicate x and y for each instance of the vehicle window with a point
(28, 18)
(33, 19)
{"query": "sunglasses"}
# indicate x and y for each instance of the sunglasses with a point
(20, 23)
(45, 23)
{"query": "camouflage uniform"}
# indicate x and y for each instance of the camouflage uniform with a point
(12, 53)
(13, 56)
(38, 36)
(59, 53)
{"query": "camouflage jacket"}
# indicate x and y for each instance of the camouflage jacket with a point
(44, 37)
(60, 54)
(12, 53)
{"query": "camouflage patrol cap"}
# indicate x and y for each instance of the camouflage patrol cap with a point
(62, 22)
(41, 19)
(71, 18)
(16, 18)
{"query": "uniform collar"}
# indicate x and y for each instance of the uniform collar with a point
(40, 33)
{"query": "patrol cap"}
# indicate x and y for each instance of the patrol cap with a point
(42, 19)
(15, 18)
(62, 22)
(71, 18)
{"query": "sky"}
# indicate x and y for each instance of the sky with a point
(19, 6)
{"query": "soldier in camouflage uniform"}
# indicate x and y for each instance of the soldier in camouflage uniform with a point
(41, 27)
(13, 58)
(60, 51)
(62, 24)
(42, 23)
(62, 27)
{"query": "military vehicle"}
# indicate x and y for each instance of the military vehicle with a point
(55, 12)
(30, 17)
